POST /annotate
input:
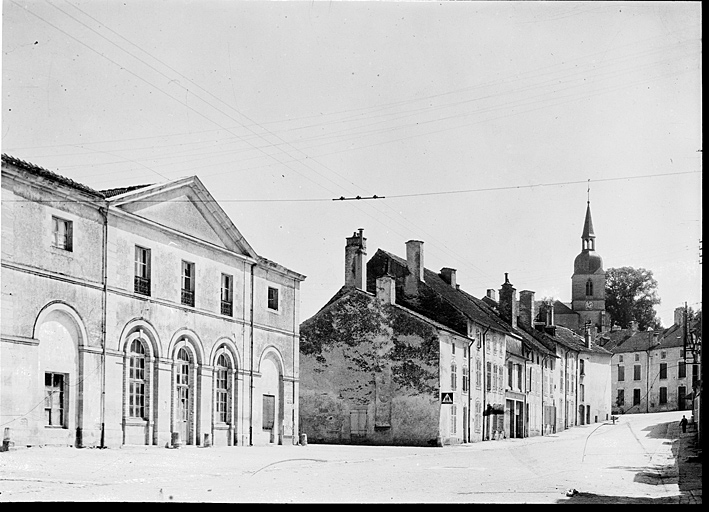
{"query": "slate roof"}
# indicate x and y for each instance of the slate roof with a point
(464, 303)
(627, 341)
(45, 173)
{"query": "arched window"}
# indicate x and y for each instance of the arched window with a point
(183, 385)
(589, 288)
(454, 376)
(222, 389)
(136, 380)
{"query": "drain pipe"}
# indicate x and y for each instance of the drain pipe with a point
(104, 277)
(484, 382)
(251, 360)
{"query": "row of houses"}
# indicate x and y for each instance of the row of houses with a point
(141, 315)
(402, 355)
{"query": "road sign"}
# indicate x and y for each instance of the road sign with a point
(447, 398)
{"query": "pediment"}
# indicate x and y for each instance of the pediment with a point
(188, 207)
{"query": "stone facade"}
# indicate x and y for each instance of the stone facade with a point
(138, 315)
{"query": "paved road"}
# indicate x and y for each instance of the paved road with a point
(632, 461)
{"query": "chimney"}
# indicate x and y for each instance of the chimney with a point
(587, 334)
(491, 294)
(549, 314)
(414, 262)
(386, 290)
(448, 275)
(679, 316)
(508, 302)
(526, 308)
(355, 253)
(633, 327)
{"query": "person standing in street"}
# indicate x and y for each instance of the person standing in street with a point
(683, 424)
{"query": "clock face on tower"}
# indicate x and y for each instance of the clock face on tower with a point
(589, 304)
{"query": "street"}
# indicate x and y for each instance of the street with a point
(633, 461)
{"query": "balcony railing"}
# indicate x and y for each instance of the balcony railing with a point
(188, 297)
(141, 285)
(227, 308)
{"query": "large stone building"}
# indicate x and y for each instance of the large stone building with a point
(140, 316)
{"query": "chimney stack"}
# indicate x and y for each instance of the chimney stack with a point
(386, 290)
(355, 253)
(491, 294)
(587, 334)
(633, 327)
(448, 275)
(526, 308)
(508, 303)
(679, 316)
(414, 262)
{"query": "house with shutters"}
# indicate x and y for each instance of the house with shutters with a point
(651, 372)
(140, 315)
(401, 355)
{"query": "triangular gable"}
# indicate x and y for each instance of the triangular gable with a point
(186, 206)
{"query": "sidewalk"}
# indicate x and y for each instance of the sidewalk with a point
(689, 463)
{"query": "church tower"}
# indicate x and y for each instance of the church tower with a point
(588, 283)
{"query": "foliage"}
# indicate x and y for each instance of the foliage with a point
(631, 294)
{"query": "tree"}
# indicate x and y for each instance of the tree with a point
(631, 294)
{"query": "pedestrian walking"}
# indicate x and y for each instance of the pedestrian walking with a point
(683, 424)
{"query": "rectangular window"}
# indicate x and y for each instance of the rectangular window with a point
(454, 419)
(636, 372)
(519, 377)
(682, 368)
(501, 378)
(621, 398)
(581, 367)
(636, 397)
(489, 376)
(188, 283)
(269, 411)
(663, 370)
(466, 376)
(620, 359)
(54, 400)
(222, 383)
(62, 232)
(663, 354)
(581, 392)
(510, 374)
(453, 348)
(478, 373)
(663, 396)
(621, 373)
(273, 298)
(695, 374)
(637, 357)
(227, 297)
(141, 281)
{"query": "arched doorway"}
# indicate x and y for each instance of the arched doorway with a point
(60, 332)
(270, 397)
(184, 395)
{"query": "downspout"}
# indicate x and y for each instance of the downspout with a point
(470, 389)
(294, 434)
(544, 361)
(104, 301)
(251, 360)
(484, 382)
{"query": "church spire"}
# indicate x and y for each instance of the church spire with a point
(588, 234)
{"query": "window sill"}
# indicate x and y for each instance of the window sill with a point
(222, 426)
(56, 427)
(136, 422)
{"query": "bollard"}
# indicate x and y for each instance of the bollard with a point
(176, 442)
(6, 443)
(303, 440)
(207, 441)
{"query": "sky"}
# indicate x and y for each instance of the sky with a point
(482, 127)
